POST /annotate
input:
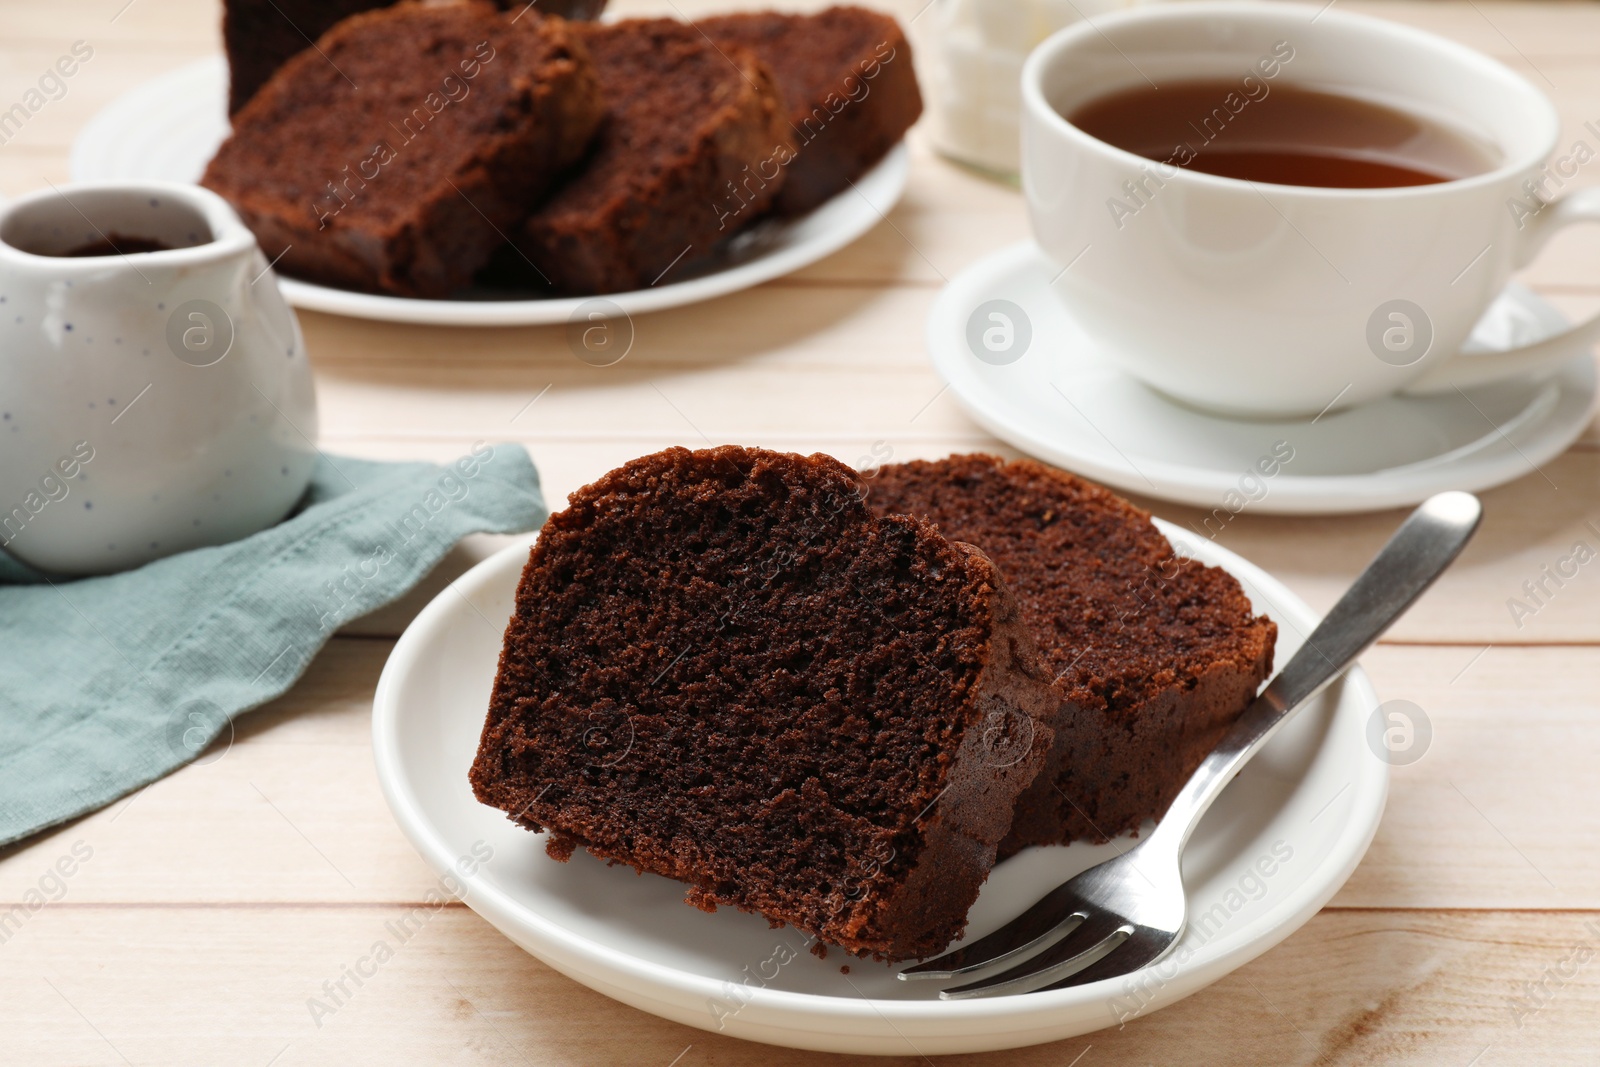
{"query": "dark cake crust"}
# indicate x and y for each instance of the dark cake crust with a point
(407, 184)
(1154, 655)
(691, 152)
(260, 36)
(723, 669)
(847, 80)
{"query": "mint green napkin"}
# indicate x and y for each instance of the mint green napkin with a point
(109, 683)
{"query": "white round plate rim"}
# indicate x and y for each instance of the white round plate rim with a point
(829, 1023)
(197, 85)
(1291, 494)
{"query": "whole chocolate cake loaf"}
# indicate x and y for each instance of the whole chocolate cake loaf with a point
(669, 179)
(723, 669)
(395, 155)
(1154, 655)
(262, 35)
(848, 83)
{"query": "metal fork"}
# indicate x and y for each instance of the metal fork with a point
(1128, 912)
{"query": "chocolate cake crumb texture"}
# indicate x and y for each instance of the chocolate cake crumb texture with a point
(679, 166)
(723, 669)
(1155, 655)
(407, 184)
(260, 36)
(848, 85)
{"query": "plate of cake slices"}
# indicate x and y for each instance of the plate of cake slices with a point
(836, 721)
(529, 169)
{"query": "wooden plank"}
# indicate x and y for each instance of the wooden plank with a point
(1551, 34)
(1559, 36)
(132, 25)
(114, 68)
(288, 810)
(1486, 816)
(1533, 523)
(219, 900)
(949, 218)
(291, 812)
(236, 986)
(1530, 524)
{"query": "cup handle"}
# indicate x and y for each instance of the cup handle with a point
(1479, 368)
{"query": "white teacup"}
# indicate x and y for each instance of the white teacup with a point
(150, 402)
(1278, 300)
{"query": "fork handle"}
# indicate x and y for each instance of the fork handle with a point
(1424, 545)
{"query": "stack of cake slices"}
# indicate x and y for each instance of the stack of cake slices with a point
(415, 145)
(836, 702)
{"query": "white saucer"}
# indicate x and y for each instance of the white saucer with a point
(1305, 809)
(1063, 401)
(170, 127)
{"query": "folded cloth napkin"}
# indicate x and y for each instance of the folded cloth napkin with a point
(109, 683)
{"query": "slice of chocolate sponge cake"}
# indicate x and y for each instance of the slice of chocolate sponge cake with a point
(396, 155)
(723, 669)
(847, 81)
(688, 124)
(261, 35)
(1154, 655)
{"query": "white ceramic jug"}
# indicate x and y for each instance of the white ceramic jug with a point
(154, 390)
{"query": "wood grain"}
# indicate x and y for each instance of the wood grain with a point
(216, 902)
(1351, 987)
(289, 811)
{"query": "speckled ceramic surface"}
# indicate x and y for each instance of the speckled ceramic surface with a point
(150, 402)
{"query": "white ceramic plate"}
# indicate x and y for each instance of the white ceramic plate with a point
(1305, 809)
(170, 127)
(1064, 401)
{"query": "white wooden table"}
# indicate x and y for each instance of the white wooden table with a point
(213, 905)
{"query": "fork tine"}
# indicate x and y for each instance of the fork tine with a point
(1096, 936)
(1143, 947)
(1052, 917)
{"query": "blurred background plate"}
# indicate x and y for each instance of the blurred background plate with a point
(170, 127)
